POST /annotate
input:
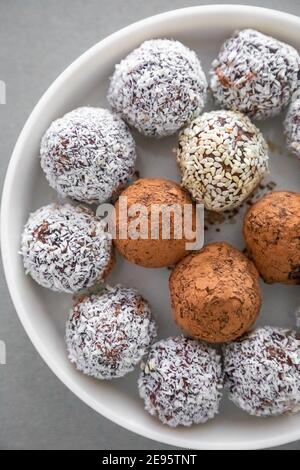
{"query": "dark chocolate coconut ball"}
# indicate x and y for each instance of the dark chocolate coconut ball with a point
(272, 235)
(65, 248)
(222, 157)
(255, 74)
(181, 381)
(292, 127)
(158, 87)
(88, 154)
(215, 293)
(262, 372)
(108, 334)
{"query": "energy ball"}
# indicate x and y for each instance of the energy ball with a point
(262, 372)
(158, 87)
(88, 155)
(181, 381)
(65, 248)
(272, 235)
(108, 334)
(162, 248)
(215, 294)
(255, 74)
(292, 127)
(222, 157)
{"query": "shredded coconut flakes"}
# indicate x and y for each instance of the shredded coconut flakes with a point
(262, 372)
(158, 87)
(88, 154)
(108, 334)
(181, 381)
(255, 74)
(292, 127)
(65, 248)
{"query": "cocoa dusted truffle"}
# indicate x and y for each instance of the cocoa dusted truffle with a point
(65, 248)
(88, 154)
(262, 372)
(222, 157)
(181, 381)
(158, 87)
(108, 334)
(272, 235)
(156, 249)
(255, 74)
(215, 293)
(292, 127)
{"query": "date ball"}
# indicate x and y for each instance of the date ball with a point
(215, 294)
(255, 74)
(88, 155)
(272, 235)
(65, 248)
(181, 381)
(158, 87)
(292, 127)
(222, 157)
(262, 372)
(160, 207)
(108, 334)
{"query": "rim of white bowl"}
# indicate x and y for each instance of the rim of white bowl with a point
(5, 207)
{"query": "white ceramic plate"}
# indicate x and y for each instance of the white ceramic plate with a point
(43, 313)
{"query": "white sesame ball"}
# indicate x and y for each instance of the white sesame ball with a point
(292, 127)
(181, 381)
(88, 154)
(262, 372)
(255, 74)
(65, 248)
(222, 157)
(108, 334)
(158, 87)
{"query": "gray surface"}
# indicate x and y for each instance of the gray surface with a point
(38, 40)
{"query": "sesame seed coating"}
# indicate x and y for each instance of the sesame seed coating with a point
(88, 154)
(255, 74)
(262, 372)
(292, 127)
(65, 248)
(158, 87)
(222, 157)
(181, 381)
(108, 334)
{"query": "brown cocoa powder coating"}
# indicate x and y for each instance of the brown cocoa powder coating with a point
(215, 294)
(152, 253)
(272, 235)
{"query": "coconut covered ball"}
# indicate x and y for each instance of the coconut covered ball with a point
(88, 155)
(292, 127)
(108, 334)
(215, 294)
(163, 203)
(65, 248)
(181, 381)
(222, 157)
(262, 372)
(158, 87)
(272, 235)
(255, 74)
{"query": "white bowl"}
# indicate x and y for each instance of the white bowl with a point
(43, 313)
